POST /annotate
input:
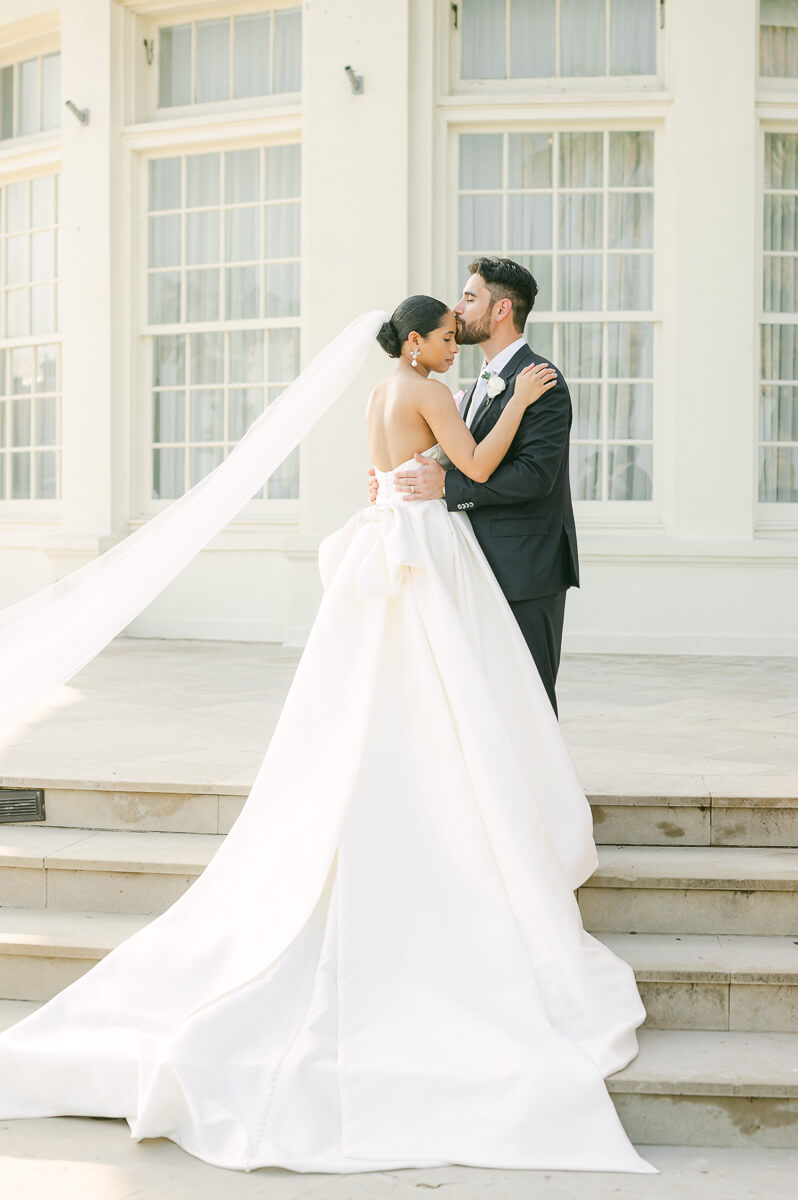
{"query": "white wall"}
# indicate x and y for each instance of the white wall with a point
(701, 571)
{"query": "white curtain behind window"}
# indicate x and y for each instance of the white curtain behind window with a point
(778, 38)
(484, 32)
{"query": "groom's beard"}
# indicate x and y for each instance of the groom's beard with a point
(473, 333)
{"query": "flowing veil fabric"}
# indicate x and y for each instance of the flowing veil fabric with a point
(48, 637)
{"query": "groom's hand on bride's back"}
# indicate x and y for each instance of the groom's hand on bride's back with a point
(374, 487)
(423, 483)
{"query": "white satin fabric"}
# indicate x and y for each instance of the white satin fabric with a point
(384, 964)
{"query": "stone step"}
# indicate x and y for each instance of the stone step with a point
(655, 810)
(710, 1089)
(99, 871)
(692, 889)
(710, 982)
(137, 807)
(43, 950)
(689, 811)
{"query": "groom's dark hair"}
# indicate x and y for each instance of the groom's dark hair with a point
(507, 279)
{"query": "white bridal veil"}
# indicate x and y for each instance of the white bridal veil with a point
(46, 638)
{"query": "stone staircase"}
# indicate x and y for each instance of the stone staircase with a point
(699, 892)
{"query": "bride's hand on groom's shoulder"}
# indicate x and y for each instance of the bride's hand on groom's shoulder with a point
(533, 382)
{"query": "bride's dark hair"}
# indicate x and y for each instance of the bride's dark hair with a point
(419, 313)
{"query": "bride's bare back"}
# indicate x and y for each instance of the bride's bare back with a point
(396, 428)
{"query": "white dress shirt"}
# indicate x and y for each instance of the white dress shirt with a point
(495, 366)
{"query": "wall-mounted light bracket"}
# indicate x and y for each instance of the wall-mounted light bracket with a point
(82, 114)
(355, 80)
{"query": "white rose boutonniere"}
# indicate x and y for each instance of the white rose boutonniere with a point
(496, 386)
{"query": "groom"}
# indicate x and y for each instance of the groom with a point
(522, 517)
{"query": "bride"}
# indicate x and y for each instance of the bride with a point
(384, 964)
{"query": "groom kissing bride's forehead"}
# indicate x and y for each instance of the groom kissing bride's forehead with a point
(522, 516)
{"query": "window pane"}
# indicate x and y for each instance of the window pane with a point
(633, 37)
(781, 222)
(202, 295)
(245, 405)
(242, 290)
(51, 91)
(203, 460)
(246, 356)
(202, 237)
(282, 231)
(283, 173)
(252, 48)
(6, 109)
(778, 38)
(529, 160)
(781, 160)
(174, 66)
(631, 349)
(580, 349)
(541, 266)
(540, 336)
(586, 398)
(282, 290)
(585, 471)
(483, 39)
(207, 358)
(45, 433)
(28, 118)
(242, 176)
(631, 220)
(17, 207)
(18, 312)
(582, 37)
(46, 475)
(581, 221)
(164, 241)
(288, 50)
(778, 475)
(780, 285)
(20, 476)
(630, 281)
(242, 234)
(529, 222)
(164, 298)
(631, 158)
(778, 414)
(579, 282)
(165, 189)
(581, 160)
(212, 81)
(46, 369)
(480, 223)
(168, 474)
(481, 161)
(207, 415)
(202, 180)
(169, 360)
(283, 355)
(20, 422)
(532, 38)
(630, 411)
(17, 270)
(780, 352)
(168, 417)
(629, 471)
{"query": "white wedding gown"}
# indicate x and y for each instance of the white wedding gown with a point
(384, 964)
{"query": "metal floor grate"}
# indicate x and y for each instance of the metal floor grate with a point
(21, 804)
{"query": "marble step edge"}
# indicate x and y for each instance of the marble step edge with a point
(711, 1063)
(178, 787)
(706, 868)
(56, 848)
(655, 958)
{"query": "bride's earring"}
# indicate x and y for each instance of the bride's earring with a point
(414, 357)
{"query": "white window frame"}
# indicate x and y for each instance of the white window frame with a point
(591, 514)
(143, 102)
(770, 517)
(552, 86)
(13, 53)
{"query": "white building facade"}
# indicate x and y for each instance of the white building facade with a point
(218, 200)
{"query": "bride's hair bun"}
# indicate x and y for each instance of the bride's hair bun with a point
(389, 340)
(419, 314)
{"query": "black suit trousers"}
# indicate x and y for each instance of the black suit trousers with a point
(541, 622)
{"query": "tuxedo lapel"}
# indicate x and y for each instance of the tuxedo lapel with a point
(511, 368)
(467, 400)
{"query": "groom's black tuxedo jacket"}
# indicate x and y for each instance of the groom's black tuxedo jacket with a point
(523, 516)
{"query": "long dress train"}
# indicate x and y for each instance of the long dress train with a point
(384, 964)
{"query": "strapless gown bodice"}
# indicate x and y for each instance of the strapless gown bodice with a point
(387, 494)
